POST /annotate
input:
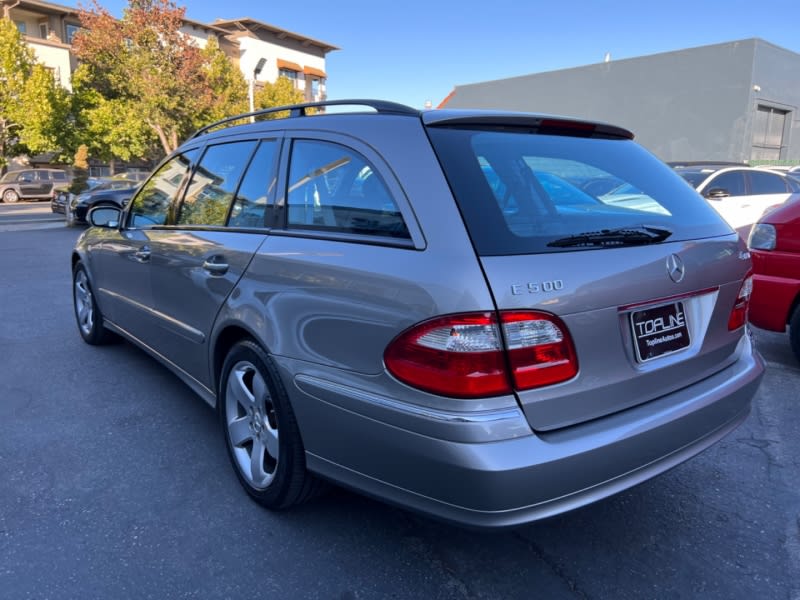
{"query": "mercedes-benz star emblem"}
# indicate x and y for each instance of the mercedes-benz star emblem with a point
(675, 268)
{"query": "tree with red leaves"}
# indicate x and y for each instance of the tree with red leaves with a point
(145, 71)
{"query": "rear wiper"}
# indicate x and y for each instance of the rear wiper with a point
(624, 236)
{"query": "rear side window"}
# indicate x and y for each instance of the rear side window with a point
(767, 183)
(250, 205)
(524, 193)
(59, 176)
(210, 192)
(334, 188)
(151, 206)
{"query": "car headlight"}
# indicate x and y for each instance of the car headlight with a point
(762, 237)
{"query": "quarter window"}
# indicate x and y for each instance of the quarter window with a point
(213, 184)
(334, 188)
(151, 205)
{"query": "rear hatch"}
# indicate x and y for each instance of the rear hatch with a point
(642, 279)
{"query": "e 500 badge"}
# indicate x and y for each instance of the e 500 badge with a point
(537, 287)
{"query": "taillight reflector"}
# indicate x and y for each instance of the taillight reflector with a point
(468, 356)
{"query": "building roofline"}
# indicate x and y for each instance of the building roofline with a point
(48, 6)
(247, 23)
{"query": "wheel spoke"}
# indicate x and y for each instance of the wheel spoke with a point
(257, 472)
(239, 389)
(271, 439)
(239, 431)
(260, 393)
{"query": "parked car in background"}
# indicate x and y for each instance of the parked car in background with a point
(111, 192)
(31, 184)
(775, 247)
(740, 194)
(420, 306)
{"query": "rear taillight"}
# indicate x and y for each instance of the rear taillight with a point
(469, 356)
(739, 313)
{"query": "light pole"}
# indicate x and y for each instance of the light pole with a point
(252, 87)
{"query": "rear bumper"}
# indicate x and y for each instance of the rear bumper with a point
(510, 482)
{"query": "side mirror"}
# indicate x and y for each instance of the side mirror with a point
(104, 216)
(717, 194)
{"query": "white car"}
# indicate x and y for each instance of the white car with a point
(741, 195)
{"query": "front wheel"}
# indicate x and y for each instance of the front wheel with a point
(260, 430)
(10, 196)
(87, 313)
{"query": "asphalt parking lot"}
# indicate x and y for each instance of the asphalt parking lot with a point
(114, 484)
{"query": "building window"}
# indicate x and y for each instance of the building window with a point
(43, 30)
(768, 133)
(289, 74)
(21, 27)
(71, 31)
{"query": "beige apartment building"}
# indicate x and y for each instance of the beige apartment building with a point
(263, 52)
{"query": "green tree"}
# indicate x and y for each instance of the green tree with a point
(280, 93)
(143, 68)
(16, 63)
(46, 114)
(226, 82)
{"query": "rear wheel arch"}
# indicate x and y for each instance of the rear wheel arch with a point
(226, 339)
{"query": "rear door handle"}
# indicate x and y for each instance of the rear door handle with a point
(215, 268)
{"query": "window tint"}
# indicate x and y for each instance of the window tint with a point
(332, 187)
(766, 183)
(251, 199)
(151, 205)
(213, 184)
(59, 176)
(732, 182)
(524, 193)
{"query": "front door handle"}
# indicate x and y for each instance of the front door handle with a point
(215, 268)
(142, 255)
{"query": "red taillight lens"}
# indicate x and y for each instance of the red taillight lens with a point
(739, 313)
(464, 356)
(540, 350)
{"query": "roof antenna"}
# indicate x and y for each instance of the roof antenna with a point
(607, 57)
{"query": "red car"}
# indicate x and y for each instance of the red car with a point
(775, 247)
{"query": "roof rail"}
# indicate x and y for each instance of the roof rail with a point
(299, 110)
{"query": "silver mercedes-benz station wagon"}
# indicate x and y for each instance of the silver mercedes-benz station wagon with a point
(431, 307)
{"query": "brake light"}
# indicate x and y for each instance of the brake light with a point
(474, 355)
(739, 313)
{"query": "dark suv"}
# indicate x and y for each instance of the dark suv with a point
(31, 184)
(425, 307)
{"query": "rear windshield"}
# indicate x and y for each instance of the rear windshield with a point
(523, 193)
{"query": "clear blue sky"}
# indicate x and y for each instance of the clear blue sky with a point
(412, 51)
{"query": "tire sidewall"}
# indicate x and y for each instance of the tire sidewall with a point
(97, 335)
(291, 455)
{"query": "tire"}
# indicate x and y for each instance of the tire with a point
(794, 332)
(260, 430)
(87, 314)
(10, 196)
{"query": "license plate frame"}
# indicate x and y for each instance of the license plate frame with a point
(659, 331)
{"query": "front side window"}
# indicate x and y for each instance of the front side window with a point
(213, 184)
(732, 182)
(151, 206)
(332, 187)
